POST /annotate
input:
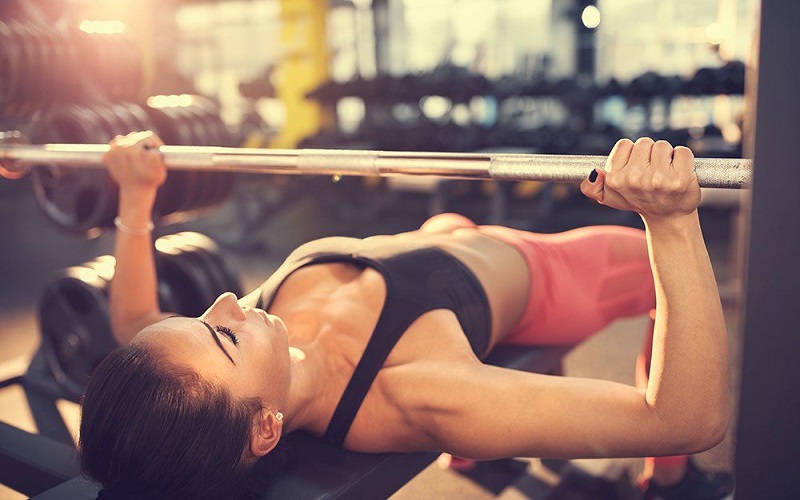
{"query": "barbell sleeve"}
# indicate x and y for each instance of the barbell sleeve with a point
(731, 173)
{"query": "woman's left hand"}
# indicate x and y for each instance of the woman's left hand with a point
(651, 178)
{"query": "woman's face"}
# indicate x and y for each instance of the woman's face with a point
(244, 349)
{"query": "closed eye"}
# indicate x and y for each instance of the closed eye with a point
(217, 341)
(228, 333)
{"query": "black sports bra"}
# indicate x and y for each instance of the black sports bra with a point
(417, 281)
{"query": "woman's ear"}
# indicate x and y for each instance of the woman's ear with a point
(267, 430)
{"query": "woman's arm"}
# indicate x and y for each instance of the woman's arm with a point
(688, 384)
(139, 171)
(685, 406)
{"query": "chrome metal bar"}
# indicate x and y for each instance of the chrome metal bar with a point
(711, 172)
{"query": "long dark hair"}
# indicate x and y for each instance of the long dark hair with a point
(152, 429)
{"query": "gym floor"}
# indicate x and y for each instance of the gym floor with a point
(32, 249)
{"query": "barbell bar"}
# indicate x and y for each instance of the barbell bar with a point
(16, 159)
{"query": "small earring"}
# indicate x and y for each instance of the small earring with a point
(278, 416)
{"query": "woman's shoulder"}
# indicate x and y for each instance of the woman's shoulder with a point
(301, 256)
(331, 245)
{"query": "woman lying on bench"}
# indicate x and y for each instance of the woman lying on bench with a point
(376, 344)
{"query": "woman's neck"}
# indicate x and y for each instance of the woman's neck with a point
(305, 403)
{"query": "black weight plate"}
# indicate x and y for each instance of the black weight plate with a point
(196, 128)
(19, 41)
(107, 64)
(171, 197)
(116, 60)
(210, 110)
(170, 130)
(53, 70)
(69, 69)
(105, 265)
(38, 90)
(111, 124)
(212, 266)
(132, 122)
(10, 67)
(206, 182)
(225, 181)
(211, 132)
(29, 65)
(43, 83)
(220, 181)
(166, 298)
(184, 183)
(179, 284)
(187, 283)
(216, 276)
(116, 126)
(143, 121)
(128, 122)
(64, 79)
(208, 286)
(137, 79)
(78, 200)
(75, 323)
(131, 76)
(196, 191)
(231, 281)
(69, 124)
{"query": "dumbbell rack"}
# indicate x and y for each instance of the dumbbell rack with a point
(459, 87)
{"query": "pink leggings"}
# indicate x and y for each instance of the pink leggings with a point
(581, 280)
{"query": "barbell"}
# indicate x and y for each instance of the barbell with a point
(16, 159)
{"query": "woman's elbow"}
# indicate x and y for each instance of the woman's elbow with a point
(715, 430)
(716, 421)
(701, 434)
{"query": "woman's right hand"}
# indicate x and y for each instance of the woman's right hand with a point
(135, 163)
(647, 177)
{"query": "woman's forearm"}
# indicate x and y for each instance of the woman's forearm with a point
(688, 386)
(133, 292)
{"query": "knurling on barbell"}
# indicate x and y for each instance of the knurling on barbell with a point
(729, 173)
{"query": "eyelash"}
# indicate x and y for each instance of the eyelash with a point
(227, 332)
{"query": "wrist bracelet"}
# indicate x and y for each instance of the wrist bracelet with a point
(136, 232)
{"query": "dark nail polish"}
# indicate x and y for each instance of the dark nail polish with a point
(593, 175)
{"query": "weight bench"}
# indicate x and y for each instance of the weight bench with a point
(317, 470)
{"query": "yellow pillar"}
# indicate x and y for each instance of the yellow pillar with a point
(303, 67)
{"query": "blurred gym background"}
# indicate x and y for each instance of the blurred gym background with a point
(538, 76)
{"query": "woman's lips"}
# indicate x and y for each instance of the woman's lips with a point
(272, 321)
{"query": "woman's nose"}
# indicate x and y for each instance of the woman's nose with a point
(226, 305)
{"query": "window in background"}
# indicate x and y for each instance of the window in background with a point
(673, 37)
(490, 37)
(220, 45)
